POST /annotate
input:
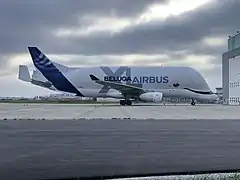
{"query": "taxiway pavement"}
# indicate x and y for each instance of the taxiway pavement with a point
(99, 145)
(109, 111)
(39, 149)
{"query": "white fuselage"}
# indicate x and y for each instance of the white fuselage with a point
(158, 79)
(144, 83)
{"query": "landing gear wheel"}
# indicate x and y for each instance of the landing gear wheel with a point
(122, 102)
(193, 103)
(125, 102)
(128, 102)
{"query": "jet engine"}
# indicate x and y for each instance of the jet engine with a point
(151, 97)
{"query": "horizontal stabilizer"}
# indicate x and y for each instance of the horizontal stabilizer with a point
(24, 74)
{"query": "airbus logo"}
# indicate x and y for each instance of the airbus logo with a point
(118, 76)
(138, 80)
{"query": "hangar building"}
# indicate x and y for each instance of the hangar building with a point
(231, 71)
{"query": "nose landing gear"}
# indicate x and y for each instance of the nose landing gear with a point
(193, 103)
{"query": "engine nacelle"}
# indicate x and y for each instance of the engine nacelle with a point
(151, 97)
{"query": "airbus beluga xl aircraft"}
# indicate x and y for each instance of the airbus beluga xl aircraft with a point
(126, 83)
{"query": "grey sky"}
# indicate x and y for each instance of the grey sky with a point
(112, 32)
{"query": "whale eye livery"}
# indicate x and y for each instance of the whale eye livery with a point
(176, 85)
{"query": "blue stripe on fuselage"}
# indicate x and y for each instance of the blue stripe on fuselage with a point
(49, 70)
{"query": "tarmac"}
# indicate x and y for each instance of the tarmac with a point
(109, 111)
(166, 140)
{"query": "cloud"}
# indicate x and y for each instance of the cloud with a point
(118, 32)
(4, 61)
(29, 22)
(175, 33)
(12, 87)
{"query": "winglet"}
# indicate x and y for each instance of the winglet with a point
(23, 73)
(94, 78)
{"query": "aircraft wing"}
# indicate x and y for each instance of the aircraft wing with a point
(124, 88)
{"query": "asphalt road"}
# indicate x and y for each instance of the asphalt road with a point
(44, 149)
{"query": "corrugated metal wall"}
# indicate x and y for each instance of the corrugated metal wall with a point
(225, 72)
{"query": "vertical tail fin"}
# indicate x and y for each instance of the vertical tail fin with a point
(52, 72)
(40, 61)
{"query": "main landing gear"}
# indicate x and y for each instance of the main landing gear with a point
(193, 103)
(126, 102)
